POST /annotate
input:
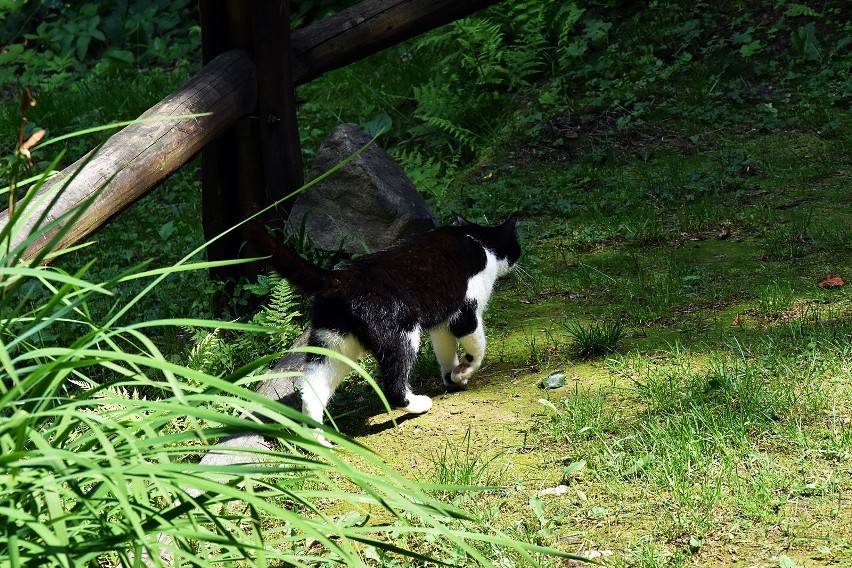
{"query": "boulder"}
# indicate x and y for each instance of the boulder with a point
(364, 206)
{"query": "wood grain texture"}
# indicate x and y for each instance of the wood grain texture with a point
(137, 158)
(276, 101)
(367, 28)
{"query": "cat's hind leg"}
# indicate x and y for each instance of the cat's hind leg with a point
(324, 373)
(396, 358)
(474, 347)
(445, 346)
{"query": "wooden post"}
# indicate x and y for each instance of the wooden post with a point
(259, 160)
(276, 100)
(230, 166)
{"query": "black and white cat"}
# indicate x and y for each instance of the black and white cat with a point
(437, 282)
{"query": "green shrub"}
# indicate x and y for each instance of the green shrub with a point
(53, 44)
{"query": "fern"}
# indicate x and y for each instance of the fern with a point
(281, 313)
(220, 352)
(430, 176)
(483, 56)
(436, 108)
(210, 353)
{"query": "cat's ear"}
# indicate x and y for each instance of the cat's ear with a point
(512, 221)
(460, 221)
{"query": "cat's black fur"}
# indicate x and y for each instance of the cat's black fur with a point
(438, 281)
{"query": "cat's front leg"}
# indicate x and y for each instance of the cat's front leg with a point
(474, 346)
(445, 346)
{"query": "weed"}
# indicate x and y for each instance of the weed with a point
(582, 415)
(540, 351)
(458, 467)
(595, 339)
(775, 298)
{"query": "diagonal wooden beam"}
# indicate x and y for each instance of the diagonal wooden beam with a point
(367, 28)
(136, 159)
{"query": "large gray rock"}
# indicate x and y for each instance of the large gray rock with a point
(366, 205)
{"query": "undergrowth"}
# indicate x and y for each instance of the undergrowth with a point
(682, 168)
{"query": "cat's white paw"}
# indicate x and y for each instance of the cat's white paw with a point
(462, 374)
(322, 439)
(418, 403)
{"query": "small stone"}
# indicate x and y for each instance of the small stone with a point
(553, 381)
(558, 490)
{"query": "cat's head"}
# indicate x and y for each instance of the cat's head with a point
(500, 239)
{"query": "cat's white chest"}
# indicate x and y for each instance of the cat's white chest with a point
(481, 285)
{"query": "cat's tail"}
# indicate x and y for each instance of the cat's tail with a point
(304, 275)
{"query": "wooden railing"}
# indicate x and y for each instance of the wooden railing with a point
(248, 134)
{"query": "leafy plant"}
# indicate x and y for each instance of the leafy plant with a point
(51, 44)
(583, 415)
(222, 351)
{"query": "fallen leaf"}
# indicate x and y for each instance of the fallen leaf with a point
(832, 281)
(736, 321)
(32, 140)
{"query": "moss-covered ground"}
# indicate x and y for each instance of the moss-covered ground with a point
(719, 430)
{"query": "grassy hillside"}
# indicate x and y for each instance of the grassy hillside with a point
(685, 181)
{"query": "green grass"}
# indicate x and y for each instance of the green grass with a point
(715, 432)
(745, 439)
(683, 172)
(594, 339)
(459, 464)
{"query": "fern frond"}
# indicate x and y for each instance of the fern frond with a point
(281, 313)
(431, 177)
(210, 354)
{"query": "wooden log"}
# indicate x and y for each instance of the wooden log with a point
(141, 155)
(367, 28)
